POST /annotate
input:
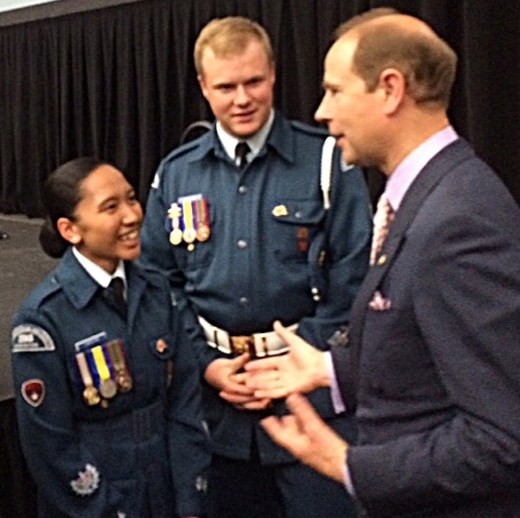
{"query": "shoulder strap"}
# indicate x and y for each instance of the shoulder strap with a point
(326, 169)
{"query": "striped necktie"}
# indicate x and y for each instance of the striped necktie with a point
(382, 220)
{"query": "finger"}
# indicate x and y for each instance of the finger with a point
(287, 336)
(235, 398)
(300, 407)
(265, 364)
(305, 415)
(237, 388)
(257, 404)
(240, 378)
(282, 430)
(268, 384)
(239, 362)
(263, 379)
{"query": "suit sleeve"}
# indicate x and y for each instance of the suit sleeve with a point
(466, 303)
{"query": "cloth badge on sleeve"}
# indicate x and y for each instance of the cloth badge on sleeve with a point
(27, 338)
(87, 481)
(33, 391)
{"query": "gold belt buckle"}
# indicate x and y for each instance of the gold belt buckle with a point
(242, 344)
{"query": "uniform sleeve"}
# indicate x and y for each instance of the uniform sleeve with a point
(347, 242)
(466, 299)
(188, 438)
(65, 471)
(156, 255)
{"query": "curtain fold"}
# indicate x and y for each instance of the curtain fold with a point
(119, 82)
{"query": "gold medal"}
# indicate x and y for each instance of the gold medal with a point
(189, 233)
(176, 236)
(123, 378)
(203, 231)
(174, 213)
(107, 386)
(124, 382)
(90, 393)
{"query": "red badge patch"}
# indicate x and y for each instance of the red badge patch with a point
(33, 391)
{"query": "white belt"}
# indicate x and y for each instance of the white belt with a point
(257, 344)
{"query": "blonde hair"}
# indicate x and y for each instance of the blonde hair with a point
(230, 36)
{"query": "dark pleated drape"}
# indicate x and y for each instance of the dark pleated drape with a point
(119, 82)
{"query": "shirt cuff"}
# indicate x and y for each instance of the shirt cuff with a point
(347, 480)
(335, 394)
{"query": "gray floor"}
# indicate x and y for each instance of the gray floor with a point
(22, 265)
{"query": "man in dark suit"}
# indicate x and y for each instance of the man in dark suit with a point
(432, 365)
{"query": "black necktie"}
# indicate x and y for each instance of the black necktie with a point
(117, 290)
(241, 151)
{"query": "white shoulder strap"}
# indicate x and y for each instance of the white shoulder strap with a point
(326, 169)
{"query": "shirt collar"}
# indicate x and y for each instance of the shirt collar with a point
(256, 142)
(405, 173)
(102, 277)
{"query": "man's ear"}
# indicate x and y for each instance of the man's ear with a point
(68, 230)
(393, 87)
(203, 86)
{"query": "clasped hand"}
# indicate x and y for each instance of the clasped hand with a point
(253, 384)
(228, 376)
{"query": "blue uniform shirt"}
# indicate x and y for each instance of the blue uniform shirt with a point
(271, 242)
(119, 456)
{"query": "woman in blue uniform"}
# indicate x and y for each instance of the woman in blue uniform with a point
(107, 389)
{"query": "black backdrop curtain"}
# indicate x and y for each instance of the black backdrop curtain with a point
(119, 82)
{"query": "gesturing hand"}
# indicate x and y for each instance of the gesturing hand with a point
(308, 438)
(302, 369)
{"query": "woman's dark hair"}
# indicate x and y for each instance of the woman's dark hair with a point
(61, 195)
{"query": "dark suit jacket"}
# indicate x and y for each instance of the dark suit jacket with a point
(436, 377)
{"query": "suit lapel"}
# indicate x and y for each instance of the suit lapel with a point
(438, 167)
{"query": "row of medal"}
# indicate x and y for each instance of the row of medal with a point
(104, 372)
(189, 221)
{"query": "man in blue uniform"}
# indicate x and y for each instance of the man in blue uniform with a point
(249, 237)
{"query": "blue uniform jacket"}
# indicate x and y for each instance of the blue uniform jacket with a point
(435, 374)
(271, 242)
(118, 460)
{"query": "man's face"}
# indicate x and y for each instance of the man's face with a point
(350, 112)
(239, 88)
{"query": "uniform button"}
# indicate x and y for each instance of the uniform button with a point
(242, 189)
(244, 301)
(242, 243)
(298, 214)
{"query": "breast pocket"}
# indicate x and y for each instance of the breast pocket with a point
(295, 223)
(160, 364)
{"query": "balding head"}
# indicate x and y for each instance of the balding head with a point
(387, 39)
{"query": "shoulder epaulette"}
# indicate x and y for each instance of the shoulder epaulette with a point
(307, 128)
(183, 149)
(48, 287)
